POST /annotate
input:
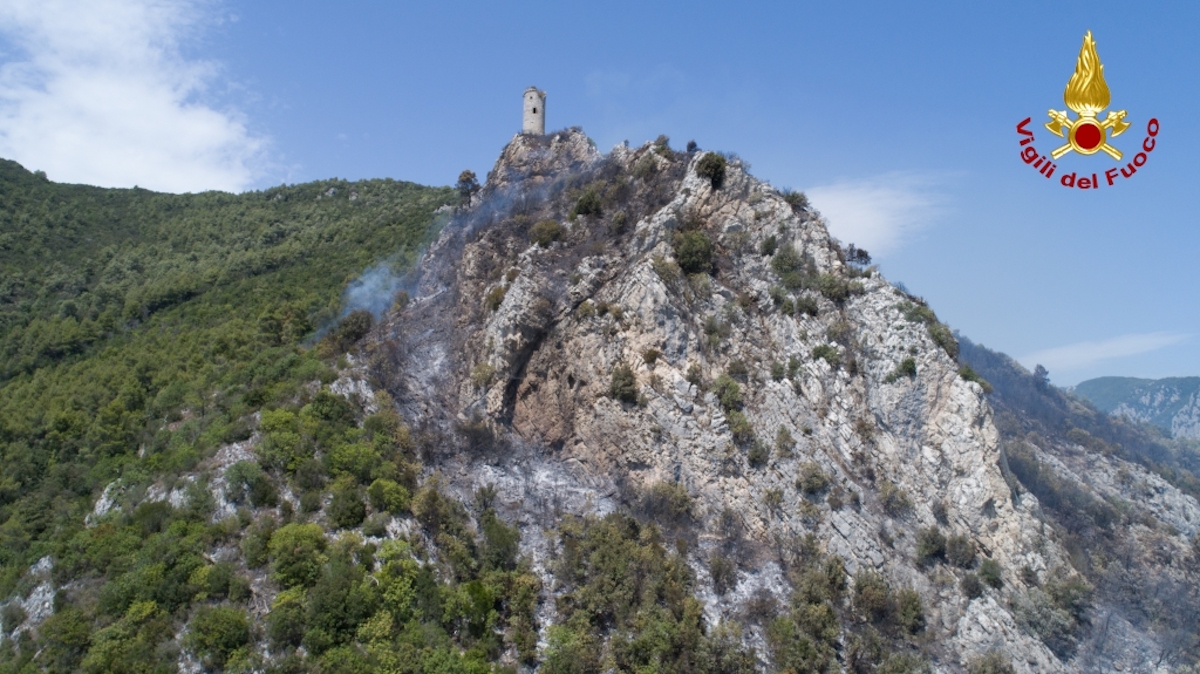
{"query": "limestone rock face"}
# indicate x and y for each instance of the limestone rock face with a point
(519, 341)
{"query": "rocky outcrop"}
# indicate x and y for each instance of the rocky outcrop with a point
(853, 423)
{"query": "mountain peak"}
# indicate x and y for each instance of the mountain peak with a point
(596, 327)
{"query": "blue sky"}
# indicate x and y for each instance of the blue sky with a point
(897, 118)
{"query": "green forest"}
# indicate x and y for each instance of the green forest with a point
(138, 332)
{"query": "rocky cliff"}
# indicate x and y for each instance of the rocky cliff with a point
(594, 326)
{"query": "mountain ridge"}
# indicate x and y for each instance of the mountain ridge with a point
(1171, 403)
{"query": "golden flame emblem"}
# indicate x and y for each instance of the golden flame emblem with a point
(1087, 94)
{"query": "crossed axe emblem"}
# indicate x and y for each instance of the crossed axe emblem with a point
(1087, 135)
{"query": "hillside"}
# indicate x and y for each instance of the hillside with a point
(632, 412)
(1172, 404)
(139, 332)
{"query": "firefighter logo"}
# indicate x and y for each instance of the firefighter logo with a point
(1087, 95)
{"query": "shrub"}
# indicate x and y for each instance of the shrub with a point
(624, 384)
(297, 553)
(348, 331)
(1072, 594)
(246, 479)
(773, 498)
(768, 246)
(400, 300)
(255, 542)
(347, 509)
(310, 474)
(872, 596)
(833, 287)
(667, 270)
(712, 166)
(356, 460)
(387, 496)
(759, 454)
(667, 503)
(618, 223)
(906, 368)
(827, 353)
(993, 662)
(728, 392)
(835, 498)
(971, 586)
(910, 612)
(311, 501)
(797, 200)
(588, 204)
(645, 167)
(571, 651)
(217, 632)
(482, 373)
(650, 356)
(495, 297)
(1037, 613)
(940, 514)
(694, 252)
(778, 371)
(777, 294)
(724, 574)
(812, 480)
(793, 269)
(545, 232)
(989, 572)
(895, 502)
(467, 185)
(805, 304)
(738, 370)
(1029, 576)
(784, 441)
(12, 615)
(918, 313)
(971, 375)
(285, 622)
(716, 330)
(501, 543)
(960, 551)
(931, 546)
(740, 427)
(943, 337)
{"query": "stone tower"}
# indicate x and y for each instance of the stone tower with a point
(534, 120)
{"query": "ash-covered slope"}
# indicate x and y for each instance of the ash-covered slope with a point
(597, 329)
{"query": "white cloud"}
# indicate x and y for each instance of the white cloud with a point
(1083, 354)
(101, 94)
(879, 214)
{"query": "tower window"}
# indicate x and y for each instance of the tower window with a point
(535, 111)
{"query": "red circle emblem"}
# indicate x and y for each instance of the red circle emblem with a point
(1089, 136)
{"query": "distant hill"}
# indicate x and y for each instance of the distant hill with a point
(1171, 404)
